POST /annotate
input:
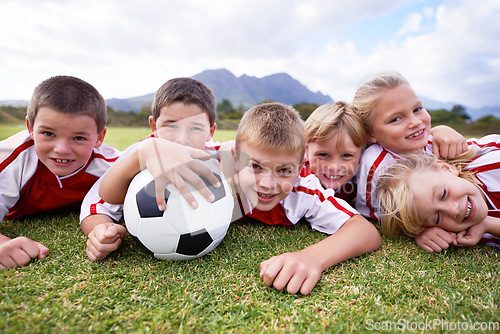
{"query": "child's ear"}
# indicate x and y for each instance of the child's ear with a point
(447, 167)
(100, 138)
(371, 139)
(211, 133)
(152, 126)
(29, 126)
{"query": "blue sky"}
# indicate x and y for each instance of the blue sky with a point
(449, 50)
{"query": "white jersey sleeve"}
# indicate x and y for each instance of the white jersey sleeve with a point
(18, 163)
(94, 204)
(317, 205)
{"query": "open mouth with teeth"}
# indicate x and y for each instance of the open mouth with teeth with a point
(61, 161)
(333, 177)
(469, 209)
(416, 134)
(266, 197)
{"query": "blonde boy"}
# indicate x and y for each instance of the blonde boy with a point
(268, 155)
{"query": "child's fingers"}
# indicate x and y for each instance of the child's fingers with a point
(43, 251)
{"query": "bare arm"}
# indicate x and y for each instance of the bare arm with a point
(300, 271)
(167, 162)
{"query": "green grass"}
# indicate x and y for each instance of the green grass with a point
(397, 287)
(119, 137)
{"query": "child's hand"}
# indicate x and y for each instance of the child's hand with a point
(447, 143)
(296, 271)
(20, 251)
(177, 164)
(435, 239)
(104, 239)
(472, 235)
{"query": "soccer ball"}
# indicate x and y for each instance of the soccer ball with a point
(179, 232)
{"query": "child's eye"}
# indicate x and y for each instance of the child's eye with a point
(48, 134)
(438, 218)
(196, 128)
(395, 119)
(443, 196)
(285, 171)
(80, 138)
(255, 166)
(323, 155)
(418, 109)
(171, 126)
(347, 156)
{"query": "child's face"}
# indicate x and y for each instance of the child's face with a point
(185, 124)
(63, 142)
(334, 167)
(400, 123)
(443, 199)
(266, 178)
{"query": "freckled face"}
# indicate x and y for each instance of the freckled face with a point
(333, 165)
(64, 143)
(266, 178)
(400, 123)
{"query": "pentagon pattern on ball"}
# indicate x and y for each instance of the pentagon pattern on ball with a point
(146, 201)
(180, 232)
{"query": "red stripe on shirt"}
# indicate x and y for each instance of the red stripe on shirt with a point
(322, 198)
(93, 207)
(371, 173)
(24, 146)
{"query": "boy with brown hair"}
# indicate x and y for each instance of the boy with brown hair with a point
(182, 122)
(51, 165)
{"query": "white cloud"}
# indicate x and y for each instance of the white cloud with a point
(130, 47)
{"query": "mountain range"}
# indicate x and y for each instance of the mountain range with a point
(247, 91)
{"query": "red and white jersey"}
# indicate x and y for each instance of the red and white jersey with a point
(29, 187)
(94, 204)
(486, 166)
(308, 200)
(374, 161)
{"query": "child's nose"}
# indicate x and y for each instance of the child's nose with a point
(267, 180)
(62, 146)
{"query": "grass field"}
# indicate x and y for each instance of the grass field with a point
(396, 288)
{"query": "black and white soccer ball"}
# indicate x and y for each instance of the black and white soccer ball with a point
(179, 232)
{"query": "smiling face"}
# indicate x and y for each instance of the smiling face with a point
(185, 124)
(333, 164)
(63, 142)
(266, 178)
(400, 123)
(448, 201)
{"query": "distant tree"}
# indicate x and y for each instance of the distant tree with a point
(224, 107)
(459, 112)
(305, 109)
(457, 115)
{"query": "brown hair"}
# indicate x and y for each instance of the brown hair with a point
(185, 90)
(68, 95)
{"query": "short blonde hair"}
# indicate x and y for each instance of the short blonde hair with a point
(273, 127)
(338, 117)
(396, 203)
(370, 90)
